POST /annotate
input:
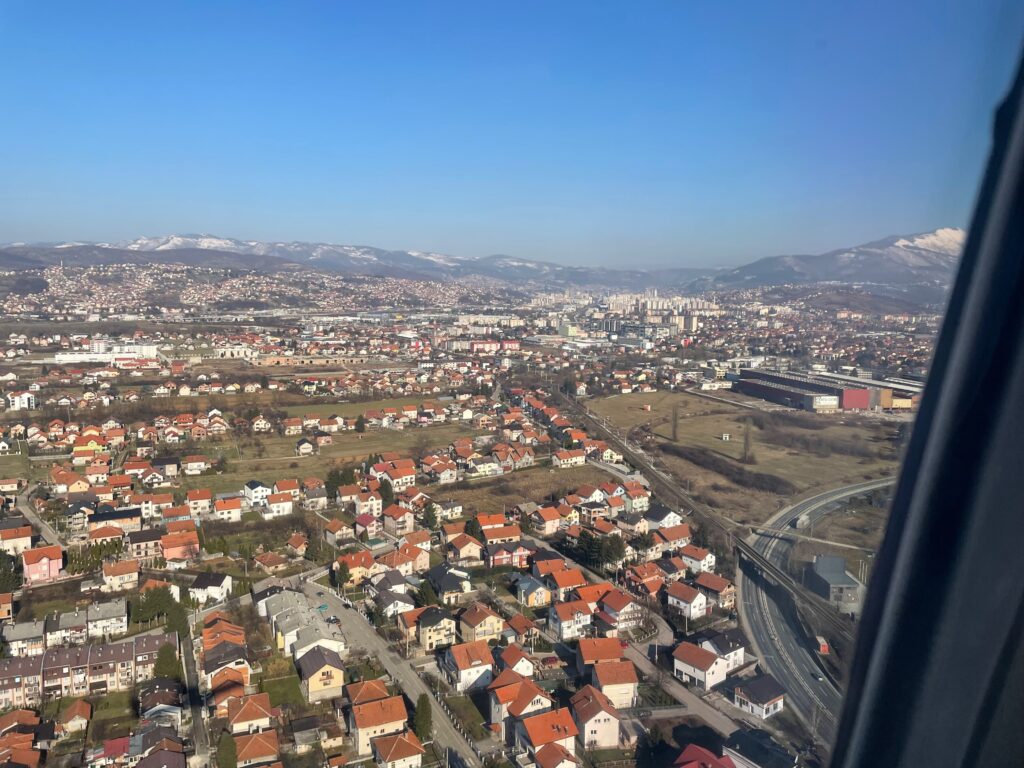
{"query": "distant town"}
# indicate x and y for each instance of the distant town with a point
(284, 522)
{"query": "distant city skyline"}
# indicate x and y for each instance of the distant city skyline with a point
(666, 135)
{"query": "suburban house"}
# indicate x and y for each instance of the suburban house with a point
(511, 697)
(376, 718)
(554, 728)
(759, 696)
(570, 620)
(687, 600)
(250, 714)
(697, 559)
(618, 681)
(478, 622)
(596, 719)
(42, 565)
(211, 588)
(693, 664)
(468, 666)
(400, 750)
(120, 576)
(323, 674)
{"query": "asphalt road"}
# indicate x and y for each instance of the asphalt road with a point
(46, 531)
(360, 635)
(200, 734)
(780, 645)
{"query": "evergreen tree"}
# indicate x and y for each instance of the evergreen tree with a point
(227, 756)
(430, 517)
(387, 493)
(473, 529)
(361, 424)
(342, 575)
(427, 594)
(422, 719)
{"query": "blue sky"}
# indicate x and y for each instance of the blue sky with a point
(678, 133)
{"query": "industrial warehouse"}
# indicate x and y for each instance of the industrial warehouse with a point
(827, 392)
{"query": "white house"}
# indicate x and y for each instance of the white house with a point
(760, 696)
(278, 505)
(570, 620)
(21, 401)
(256, 492)
(688, 600)
(596, 719)
(211, 588)
(697, 559)
(468, 666)
(693, 664)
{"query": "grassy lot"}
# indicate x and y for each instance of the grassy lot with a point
(466, 712)
(534, 484)
(702, 424)
(284, 690)
(14, 465)
(274, 457)
(112, 717)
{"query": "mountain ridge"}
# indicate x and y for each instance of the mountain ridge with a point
(928, 258)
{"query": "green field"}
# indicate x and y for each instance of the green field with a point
(284, 691)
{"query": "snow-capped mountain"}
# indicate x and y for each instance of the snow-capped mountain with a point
(928, 258)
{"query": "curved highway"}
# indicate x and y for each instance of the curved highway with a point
(783, 650)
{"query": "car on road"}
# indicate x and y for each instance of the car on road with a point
(819, 678)
(319, 594)
(624, 643)
(644, 713)
(322, 607)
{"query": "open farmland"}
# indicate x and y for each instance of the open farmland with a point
(803, 453)
(272, 457)
(501, 493)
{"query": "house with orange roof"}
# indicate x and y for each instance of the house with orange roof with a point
(468, 666)
(366, 691)
(76, 717)
(376, 718)
(200, 501)
(120, 576)
(570, 620)
(555, 727)
(618, 681)
(400, 750)
(511, 697)
(687, 600)
(257, 748)
(596, 718)
(251, 714)
(478, 622)
(565, 581)
(398, 521)
(178, 549)
(719, 591)
(14, 541)
(228, 510)
(361, 566)
(703, 668)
